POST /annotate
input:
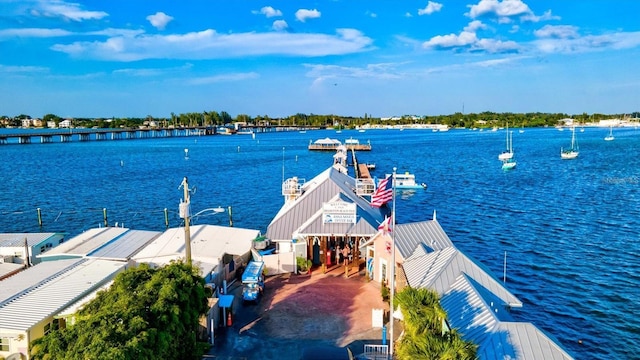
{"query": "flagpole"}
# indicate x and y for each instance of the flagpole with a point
(393, 261)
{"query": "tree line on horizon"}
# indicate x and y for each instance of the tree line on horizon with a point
(214, 118)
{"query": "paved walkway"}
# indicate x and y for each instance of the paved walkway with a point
(313, 316)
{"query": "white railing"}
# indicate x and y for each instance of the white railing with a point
(376, 351)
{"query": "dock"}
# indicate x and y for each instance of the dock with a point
(328, 144)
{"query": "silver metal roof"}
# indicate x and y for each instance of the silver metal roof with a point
(521, 341)
(124, 247)
(429, 233)
(86, 242)
(33, 239)
(32, 277)
(440, 269)
(59, 291)
(480, 320)
(330, 185)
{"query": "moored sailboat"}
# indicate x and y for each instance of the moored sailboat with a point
(573, 151)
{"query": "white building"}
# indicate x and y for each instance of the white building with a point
(31, 301)
(18, 247)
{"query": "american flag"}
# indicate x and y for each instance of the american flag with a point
(384, 192)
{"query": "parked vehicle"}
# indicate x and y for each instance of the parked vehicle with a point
(253, 281)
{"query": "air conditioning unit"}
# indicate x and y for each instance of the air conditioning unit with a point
(8, 259)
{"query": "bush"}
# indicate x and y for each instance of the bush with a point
(303, 264)
(384, 291)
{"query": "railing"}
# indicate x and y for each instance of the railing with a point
(375, 352)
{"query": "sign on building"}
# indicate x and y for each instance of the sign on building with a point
(339, 212)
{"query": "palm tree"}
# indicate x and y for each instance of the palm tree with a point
(426, 333)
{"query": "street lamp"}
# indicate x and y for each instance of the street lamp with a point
(185, 214)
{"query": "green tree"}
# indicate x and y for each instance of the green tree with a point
(145, 314)
(426, 336)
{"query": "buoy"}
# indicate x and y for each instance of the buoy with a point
(229, 321)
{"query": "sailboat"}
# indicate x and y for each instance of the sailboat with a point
(610, 136)
(508, 162)
(508, 153)
(572, 152)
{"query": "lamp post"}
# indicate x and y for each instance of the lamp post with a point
(185, 214)
(393, 262)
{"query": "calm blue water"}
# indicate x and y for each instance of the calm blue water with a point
(570, 228)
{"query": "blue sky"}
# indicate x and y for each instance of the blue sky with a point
(136, 58)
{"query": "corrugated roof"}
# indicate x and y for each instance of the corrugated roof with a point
(58, 292)
(125, 246)
(430, 233)
(440, 269)
(521, 341)
(208, 244)
(479, 320)
(86, 242)
(302, 215)
(33, 277)
(17, 239)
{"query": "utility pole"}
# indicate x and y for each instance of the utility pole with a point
(185, 213)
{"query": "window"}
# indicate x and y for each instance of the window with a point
(4, 344)
(47, 328)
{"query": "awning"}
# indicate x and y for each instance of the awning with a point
(225, 301)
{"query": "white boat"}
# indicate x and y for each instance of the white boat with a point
(508, 153)
(610, 136)
(508, 164)
(572, 152)
(407, 181)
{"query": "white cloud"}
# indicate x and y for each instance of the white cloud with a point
(208, 44)
(268, 11)
(408, 14)
(33, 32)
(280, 25)
(69, 11)
(303, 14)
(465, 38)
(223, 78)
(159, 20)
(23, 69)
(617, 41)
(544, 17)
(557, 31)
(321, 73)
(495, 46)
(504, 8)
(469, 40)
(474, 26)
(430, 8)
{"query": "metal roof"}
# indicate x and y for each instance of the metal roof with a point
(125, 246)
(32, 277)
(86, 242)
(208, 244)
(33, 239)
(479, 319)
(521, 341)
(330, 185)
(440, 269)
(59, 291)
(429, 233)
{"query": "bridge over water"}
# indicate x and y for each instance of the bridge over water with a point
(45, 136)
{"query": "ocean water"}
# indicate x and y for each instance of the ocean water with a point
(570, 228)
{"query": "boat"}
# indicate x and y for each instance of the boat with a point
(371, 166)
(572, 152)
(610, 136)
(407, 181)
(508, 164)
(508, 153)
